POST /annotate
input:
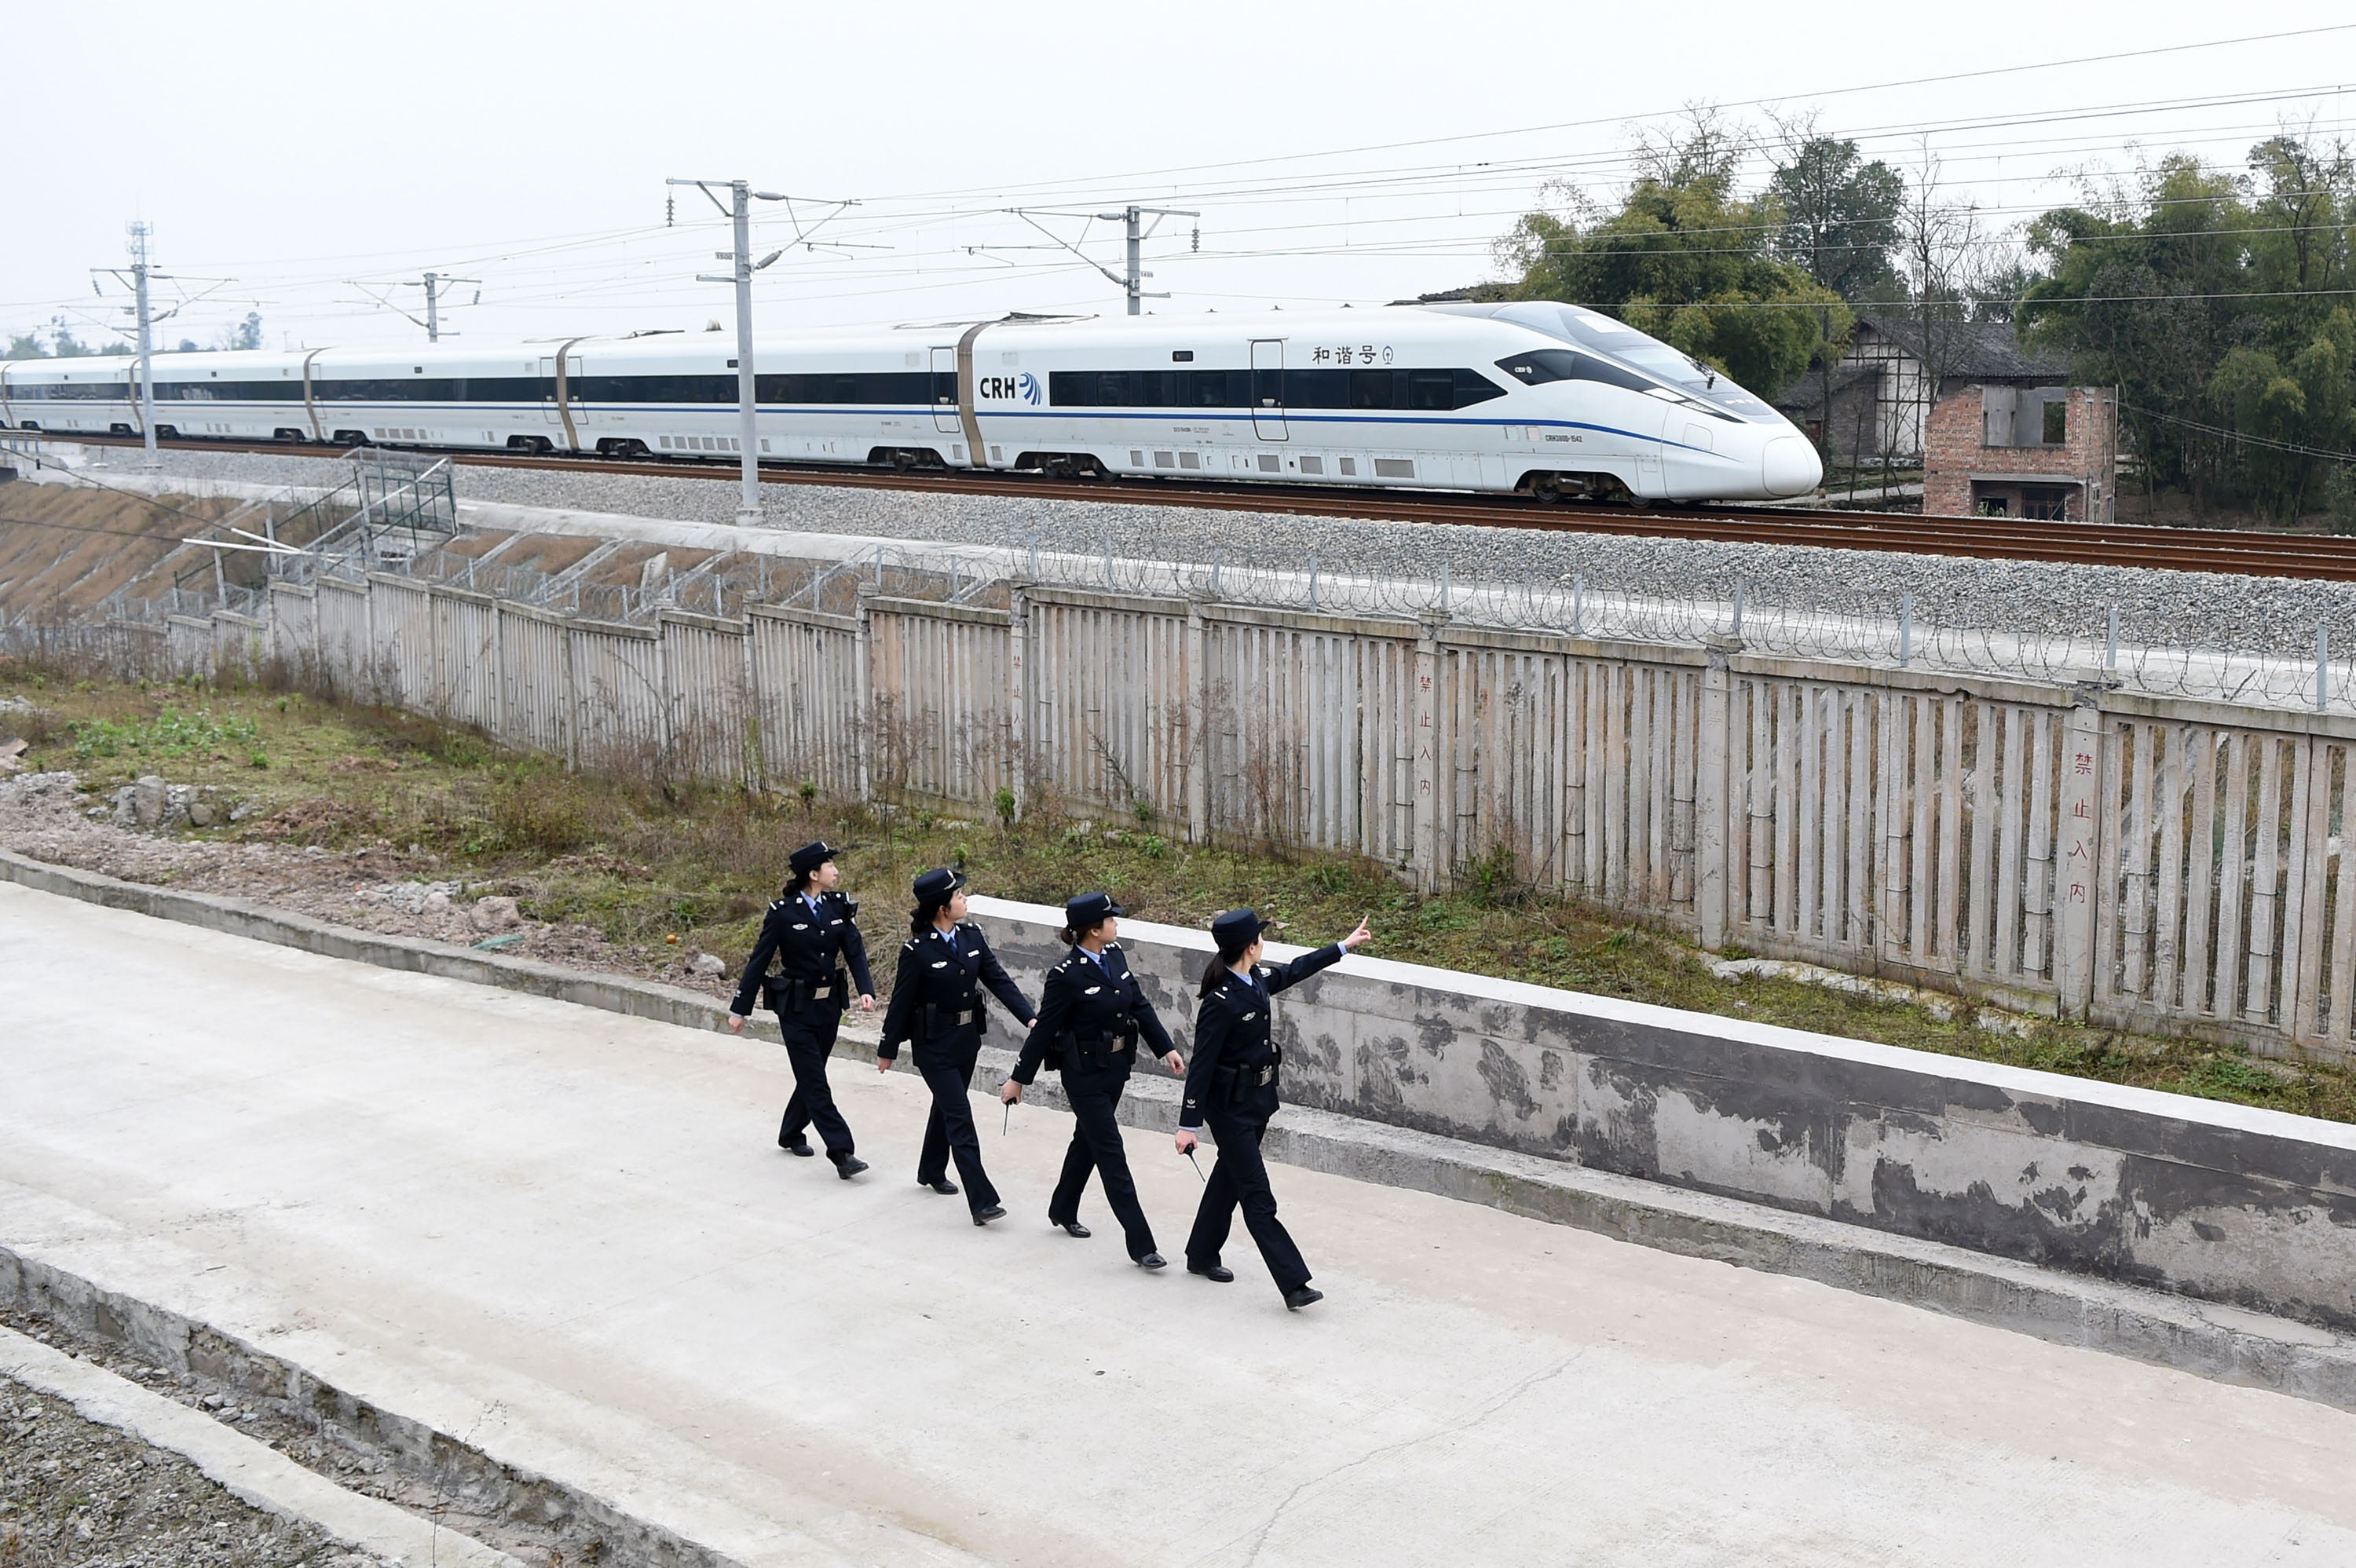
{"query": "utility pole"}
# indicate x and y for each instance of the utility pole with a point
(139, 232)
(142, 277)
(434, 284)
(1136, 231)
(740, 213)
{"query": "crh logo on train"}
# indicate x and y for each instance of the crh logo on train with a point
(1025, 388)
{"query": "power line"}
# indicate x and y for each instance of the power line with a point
(2234, 435)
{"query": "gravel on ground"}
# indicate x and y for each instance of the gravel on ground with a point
(75, 1493)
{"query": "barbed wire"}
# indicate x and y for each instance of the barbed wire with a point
(1839, 626)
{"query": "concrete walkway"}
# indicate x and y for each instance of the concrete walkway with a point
(567, 1236)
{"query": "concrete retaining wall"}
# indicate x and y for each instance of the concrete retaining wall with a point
(2250, 1208)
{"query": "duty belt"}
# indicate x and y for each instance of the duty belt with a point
(937, 1023)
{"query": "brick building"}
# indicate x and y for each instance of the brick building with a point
(2023, 451)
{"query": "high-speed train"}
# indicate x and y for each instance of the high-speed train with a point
(1550, 399)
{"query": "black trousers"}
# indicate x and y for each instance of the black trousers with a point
(809, 1040)
(1241, 1179)
(946, 1065)
(1094, 1091)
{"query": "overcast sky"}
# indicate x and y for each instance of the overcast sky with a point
(1337, 152)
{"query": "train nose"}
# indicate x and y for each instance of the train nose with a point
(1789, 466)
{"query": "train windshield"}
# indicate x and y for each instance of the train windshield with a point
(1601, 334)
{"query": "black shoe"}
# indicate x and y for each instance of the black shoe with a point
(1217, 1274)
(799, 1145)
(1300, 1296)
(984, 1216)
(941, 1185)
(1152, 1260)
(1072, 1228)
(849, 1166)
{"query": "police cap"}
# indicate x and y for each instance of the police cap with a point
(1084, 910)
(1234, 931)
(811, 856)
(935, 887)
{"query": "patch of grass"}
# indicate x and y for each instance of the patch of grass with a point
(641, 862)
(170, 734)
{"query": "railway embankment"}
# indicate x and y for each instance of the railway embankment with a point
(2161, 609)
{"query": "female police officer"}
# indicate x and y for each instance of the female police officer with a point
(1232, 1087)
(1091, 1012)
(936, 1005)
(811, 932)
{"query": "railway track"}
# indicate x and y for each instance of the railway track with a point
(2227, 551)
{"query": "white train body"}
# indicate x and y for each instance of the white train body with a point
(1530, 396)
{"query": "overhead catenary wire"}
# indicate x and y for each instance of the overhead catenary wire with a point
(582, 269)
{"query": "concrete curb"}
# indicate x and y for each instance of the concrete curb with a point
(2182, 1332)
(250, 1470)
(169, 1339)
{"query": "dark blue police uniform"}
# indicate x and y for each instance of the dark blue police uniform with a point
(809, 939)
(1092, 1013)
(1231, 1087)
(937, 1007)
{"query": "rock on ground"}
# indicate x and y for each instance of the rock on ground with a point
(73, 1492)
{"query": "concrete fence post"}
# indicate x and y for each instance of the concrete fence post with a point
(1710, 878)
(2077, 853)
(863, 675)
(1198, 722)
(502, 706)
(1431, 850)
(1018, 700)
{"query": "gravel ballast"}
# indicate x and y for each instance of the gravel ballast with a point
(2161, 609)
(74, 1492)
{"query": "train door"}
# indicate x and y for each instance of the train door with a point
(557, 373)
(1268, 388)
(944, 391)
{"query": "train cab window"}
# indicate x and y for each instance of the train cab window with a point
(1541, 366)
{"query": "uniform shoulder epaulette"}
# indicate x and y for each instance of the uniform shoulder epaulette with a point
(776, 904)
(910, 945)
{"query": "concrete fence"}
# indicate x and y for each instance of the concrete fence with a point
(2141, 861)
(2251, 1208)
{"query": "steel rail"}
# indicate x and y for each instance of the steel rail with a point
(2226, 551)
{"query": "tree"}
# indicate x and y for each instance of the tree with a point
(248, 332)
(1838, 215)
(1839, 223)
(1685, 259)
(2215, 303)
